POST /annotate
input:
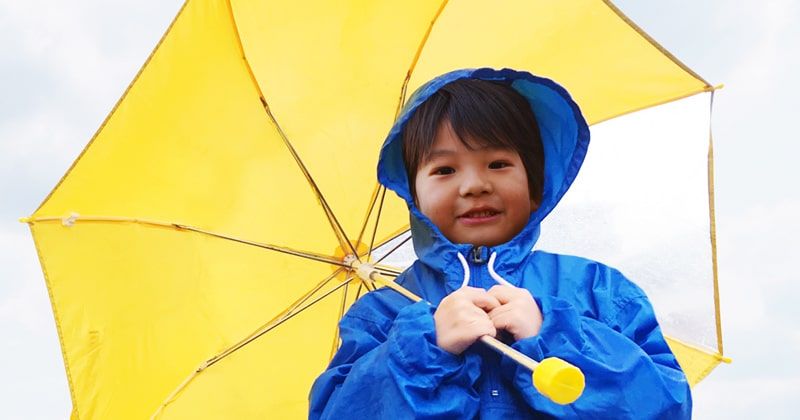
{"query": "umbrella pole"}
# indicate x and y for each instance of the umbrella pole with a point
(555, 378)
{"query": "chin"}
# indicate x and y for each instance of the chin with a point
(484, 242)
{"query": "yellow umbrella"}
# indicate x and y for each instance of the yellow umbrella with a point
(221, 195)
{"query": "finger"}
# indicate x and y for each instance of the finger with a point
(500, 310)
(486, 302)
(478, 297)
(503, 321)
(484, 327)
(503, 293)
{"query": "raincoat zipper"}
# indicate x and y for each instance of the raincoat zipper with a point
(478, 256)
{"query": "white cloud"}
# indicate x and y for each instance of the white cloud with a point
(758, 71)
(760, 397)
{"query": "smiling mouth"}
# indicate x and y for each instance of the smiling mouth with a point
(479, 214)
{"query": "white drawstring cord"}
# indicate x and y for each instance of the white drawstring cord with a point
(466, 269)
(493, 274)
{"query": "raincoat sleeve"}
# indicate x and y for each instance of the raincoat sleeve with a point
(630, 371)
(388, 367)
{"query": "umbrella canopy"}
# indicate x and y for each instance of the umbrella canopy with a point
(220, 195)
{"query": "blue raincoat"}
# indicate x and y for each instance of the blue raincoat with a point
(388, 365)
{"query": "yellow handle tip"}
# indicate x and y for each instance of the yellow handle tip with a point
(558, 380)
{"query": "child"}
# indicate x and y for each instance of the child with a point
(467, 156)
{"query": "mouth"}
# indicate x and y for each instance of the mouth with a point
(479, 215)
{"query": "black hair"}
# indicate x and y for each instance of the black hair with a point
(482, 113)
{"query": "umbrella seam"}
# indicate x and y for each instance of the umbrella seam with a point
(655, 104)
(335, 225)
(56, 317)
(654, 43)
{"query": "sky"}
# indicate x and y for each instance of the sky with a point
(64, 65)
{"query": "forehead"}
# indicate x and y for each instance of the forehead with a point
(448, 143)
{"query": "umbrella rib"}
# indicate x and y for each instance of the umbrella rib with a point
(271, 327)
(284, 250)
(377, 220)
(393, 249)
(417, 55)
(342, 307)
(373, 199)
(388, 271)
(265, 329)
(334, 222)
(280, 319)
(400, 102)
(358, 291)
(69, 221)
(335, 225)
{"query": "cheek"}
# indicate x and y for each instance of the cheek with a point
(520, 198)
(433, 201)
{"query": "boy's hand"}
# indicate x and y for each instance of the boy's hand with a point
(518, 313)
(462, 317)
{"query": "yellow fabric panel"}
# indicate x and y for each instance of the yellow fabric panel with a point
(191, 143)
(695, 362)
(140, 307)
(607, 66)
(332, 74)
(267, 379)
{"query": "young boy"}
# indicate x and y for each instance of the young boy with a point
(481, 157)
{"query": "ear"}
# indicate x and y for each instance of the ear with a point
(534, 206)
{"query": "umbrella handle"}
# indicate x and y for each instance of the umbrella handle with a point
(554, 378)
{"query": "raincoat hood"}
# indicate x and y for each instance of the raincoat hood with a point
(565, 139)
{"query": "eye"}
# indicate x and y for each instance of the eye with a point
(499, 164)
(444, 170)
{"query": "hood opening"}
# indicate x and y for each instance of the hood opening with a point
(565, 139)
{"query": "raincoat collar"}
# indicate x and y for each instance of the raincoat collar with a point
(565, 139)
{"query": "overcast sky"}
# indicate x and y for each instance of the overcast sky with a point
(64, 65)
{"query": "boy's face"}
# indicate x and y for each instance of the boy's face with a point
(477, 197)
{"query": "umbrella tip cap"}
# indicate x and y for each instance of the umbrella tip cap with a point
(25, 220)
(558, 380)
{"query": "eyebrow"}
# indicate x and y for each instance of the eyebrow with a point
(433, 154)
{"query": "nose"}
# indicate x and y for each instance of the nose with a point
(475, 183)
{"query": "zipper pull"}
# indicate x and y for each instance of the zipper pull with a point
(479, 254)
